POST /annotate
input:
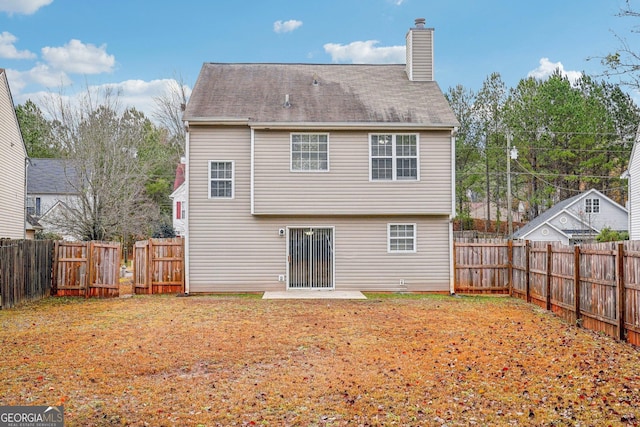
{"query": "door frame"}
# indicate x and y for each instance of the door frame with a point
(333, 256)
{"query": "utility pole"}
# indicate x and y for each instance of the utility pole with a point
(512, 154)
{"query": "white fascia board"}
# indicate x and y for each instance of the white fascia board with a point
(348, 126)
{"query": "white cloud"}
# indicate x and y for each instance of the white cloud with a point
(25, 7)
(80, 58)
(286, 26)
(398, 2)
(9, 51)
(547, 68)
(41, 74)
(365, 53)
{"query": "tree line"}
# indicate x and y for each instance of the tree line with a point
(570, 136)
(120, 164)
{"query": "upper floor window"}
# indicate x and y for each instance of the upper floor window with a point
(394, 157)
(401, 237)
(309, 152)
(181, 210)
(592, 206)
(33, 206)
(221, 179)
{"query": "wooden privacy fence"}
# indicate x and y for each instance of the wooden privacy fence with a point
(158, 266)
(89, 269)
(594, 285)
(25, 270)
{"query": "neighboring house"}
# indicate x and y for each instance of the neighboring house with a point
(32, 226)
(179, 198)
(309, 176)
(633, 175)
(13, 157)
(575, 220)
(51, 189)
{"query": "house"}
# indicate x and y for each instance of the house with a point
(576, 219)
(13, 158)
(321, 176)
(633, 176)
(179, 201)
(51, 189)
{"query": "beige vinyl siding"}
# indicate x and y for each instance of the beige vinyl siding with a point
(420, 55)
(346, 188)
(231, 250)
(12, 168)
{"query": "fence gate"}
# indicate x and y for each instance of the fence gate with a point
(310, 258)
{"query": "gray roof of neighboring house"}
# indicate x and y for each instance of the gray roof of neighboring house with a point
(545, 216)
(341, 94)
(50, 176)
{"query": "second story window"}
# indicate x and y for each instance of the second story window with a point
(393, 157)
(33, 206)
(592, 206)
(309, 152)
(220, 180)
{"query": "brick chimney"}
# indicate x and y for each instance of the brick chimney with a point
(420, 52)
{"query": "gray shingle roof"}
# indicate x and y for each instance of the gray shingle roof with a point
(50, 176)
(343, 94)
(546, 216)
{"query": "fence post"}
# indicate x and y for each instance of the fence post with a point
(621, 291)
(150, 266)
(549, 265)
(455, 265)
(90, 272)
(510, 266)
(54, 274)
(576, 282)
(527, 276)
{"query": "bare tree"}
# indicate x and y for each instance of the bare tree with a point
(625, 61)
(169, 109)
(101, 144)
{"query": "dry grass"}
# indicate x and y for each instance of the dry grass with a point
(235, 360)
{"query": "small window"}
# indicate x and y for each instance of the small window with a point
(309, 152)
(33, 206)
(402, 237)
(221, 179)
(394, 157)
(592, 206)
(181, 210)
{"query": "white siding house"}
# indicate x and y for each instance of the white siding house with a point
(13, 157)
(577, 219)
(316, 176)
(633, 176)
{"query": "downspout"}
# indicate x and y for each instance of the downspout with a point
(252, 170)
(452, 275)
(26, 171)
(186, 220)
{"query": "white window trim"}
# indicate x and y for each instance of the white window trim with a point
(415, 238)
(233, 179)
(592, 200)
(394, 157)
(291, 169)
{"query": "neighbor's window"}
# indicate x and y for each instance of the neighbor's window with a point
(221, 180)
(402, 237)
(181, 210)
(394, 157)
(592, 206)
(309, 152)
(33, 206)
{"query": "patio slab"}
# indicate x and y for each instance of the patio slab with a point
(313, 294)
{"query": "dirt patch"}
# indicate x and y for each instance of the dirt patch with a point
(161, 360)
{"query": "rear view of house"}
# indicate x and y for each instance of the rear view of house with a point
(315, 176)
(13, 156)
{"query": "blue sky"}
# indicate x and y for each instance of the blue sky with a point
(140, 46)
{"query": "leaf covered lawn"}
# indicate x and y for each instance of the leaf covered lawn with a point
(211, 360)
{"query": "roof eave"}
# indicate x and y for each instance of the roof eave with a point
(320, 125)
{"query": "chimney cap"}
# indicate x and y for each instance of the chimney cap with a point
(420, 22)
